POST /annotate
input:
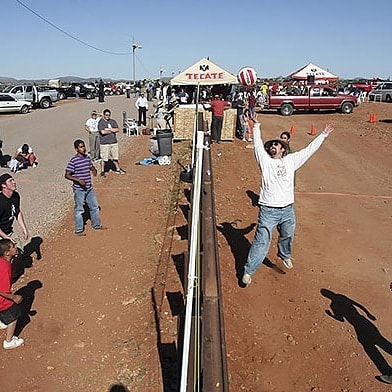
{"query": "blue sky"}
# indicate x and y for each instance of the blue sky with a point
(348, 38)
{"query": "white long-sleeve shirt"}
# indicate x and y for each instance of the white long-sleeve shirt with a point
(141, 102)
(277, 175)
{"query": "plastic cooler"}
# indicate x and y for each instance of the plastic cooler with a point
(164, 138)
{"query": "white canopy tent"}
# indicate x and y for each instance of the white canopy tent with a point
(313, 70)
(204, 72)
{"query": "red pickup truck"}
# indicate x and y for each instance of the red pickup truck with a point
(315, 98)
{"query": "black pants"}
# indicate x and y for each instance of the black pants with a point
(216, 128)
(142, 116)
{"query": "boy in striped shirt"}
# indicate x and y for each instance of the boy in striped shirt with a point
(79, 171)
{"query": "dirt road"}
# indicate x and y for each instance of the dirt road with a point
(93, 324)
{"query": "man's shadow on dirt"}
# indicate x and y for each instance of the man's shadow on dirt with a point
(28, 294)
(239, 246)
(24, 259)
(344, 308)
(118, 388)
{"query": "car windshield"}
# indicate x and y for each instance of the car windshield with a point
(7, 89)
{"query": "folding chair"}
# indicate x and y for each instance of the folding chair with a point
(131, 127)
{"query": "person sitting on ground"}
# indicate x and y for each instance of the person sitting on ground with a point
(26, 155)
(9, 303)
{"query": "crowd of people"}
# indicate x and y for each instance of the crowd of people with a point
(278, 163)
(102, 131)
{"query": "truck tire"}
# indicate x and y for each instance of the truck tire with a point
(62, 96)
(89, 95)
(286, 109)
(388, 98)
(347, 107)
(24, 109)
(45, 103)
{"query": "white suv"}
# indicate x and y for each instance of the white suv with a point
(382, 92)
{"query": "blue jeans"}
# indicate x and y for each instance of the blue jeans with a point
(282, 219)
(88, 197)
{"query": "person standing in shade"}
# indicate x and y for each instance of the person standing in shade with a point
(217, 107)
(79, 170)
(276, 200)
(142, 107)
(91, 128)
(108, 130)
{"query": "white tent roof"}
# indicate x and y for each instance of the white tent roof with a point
(312, 69)
(204, 72)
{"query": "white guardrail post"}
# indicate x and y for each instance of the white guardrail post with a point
(193, 257)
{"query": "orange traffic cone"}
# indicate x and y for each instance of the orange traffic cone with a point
(292, 130)
(372, 118)
(312, 130)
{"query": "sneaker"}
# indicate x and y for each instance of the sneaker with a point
(35, 164)
(103, 174)
(246, 278)
(120, 171)
(287, 263)
(80, 233)
(100, 228)
(2, 325)
(13, 343)
(386, 378)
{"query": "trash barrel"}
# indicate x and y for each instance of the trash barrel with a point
(164, 138)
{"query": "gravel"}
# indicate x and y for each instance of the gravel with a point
(46, 196)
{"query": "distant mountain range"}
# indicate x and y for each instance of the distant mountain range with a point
(63, 79)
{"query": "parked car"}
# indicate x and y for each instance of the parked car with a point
(364, 84)
(315, 98)
(113, 89)
(9, 104)
(88, 92)
(383, 90)
(39, 96)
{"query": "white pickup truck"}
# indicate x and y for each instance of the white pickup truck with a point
(39, 96)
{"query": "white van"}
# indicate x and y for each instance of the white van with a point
(383, 92)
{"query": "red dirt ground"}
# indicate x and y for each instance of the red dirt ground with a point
(94, 324)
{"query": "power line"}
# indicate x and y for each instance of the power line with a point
(69, 35)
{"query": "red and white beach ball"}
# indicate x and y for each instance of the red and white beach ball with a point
(247, 76)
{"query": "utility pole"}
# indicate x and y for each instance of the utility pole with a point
(134, 47)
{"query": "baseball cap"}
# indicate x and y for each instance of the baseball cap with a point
(4, 177)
